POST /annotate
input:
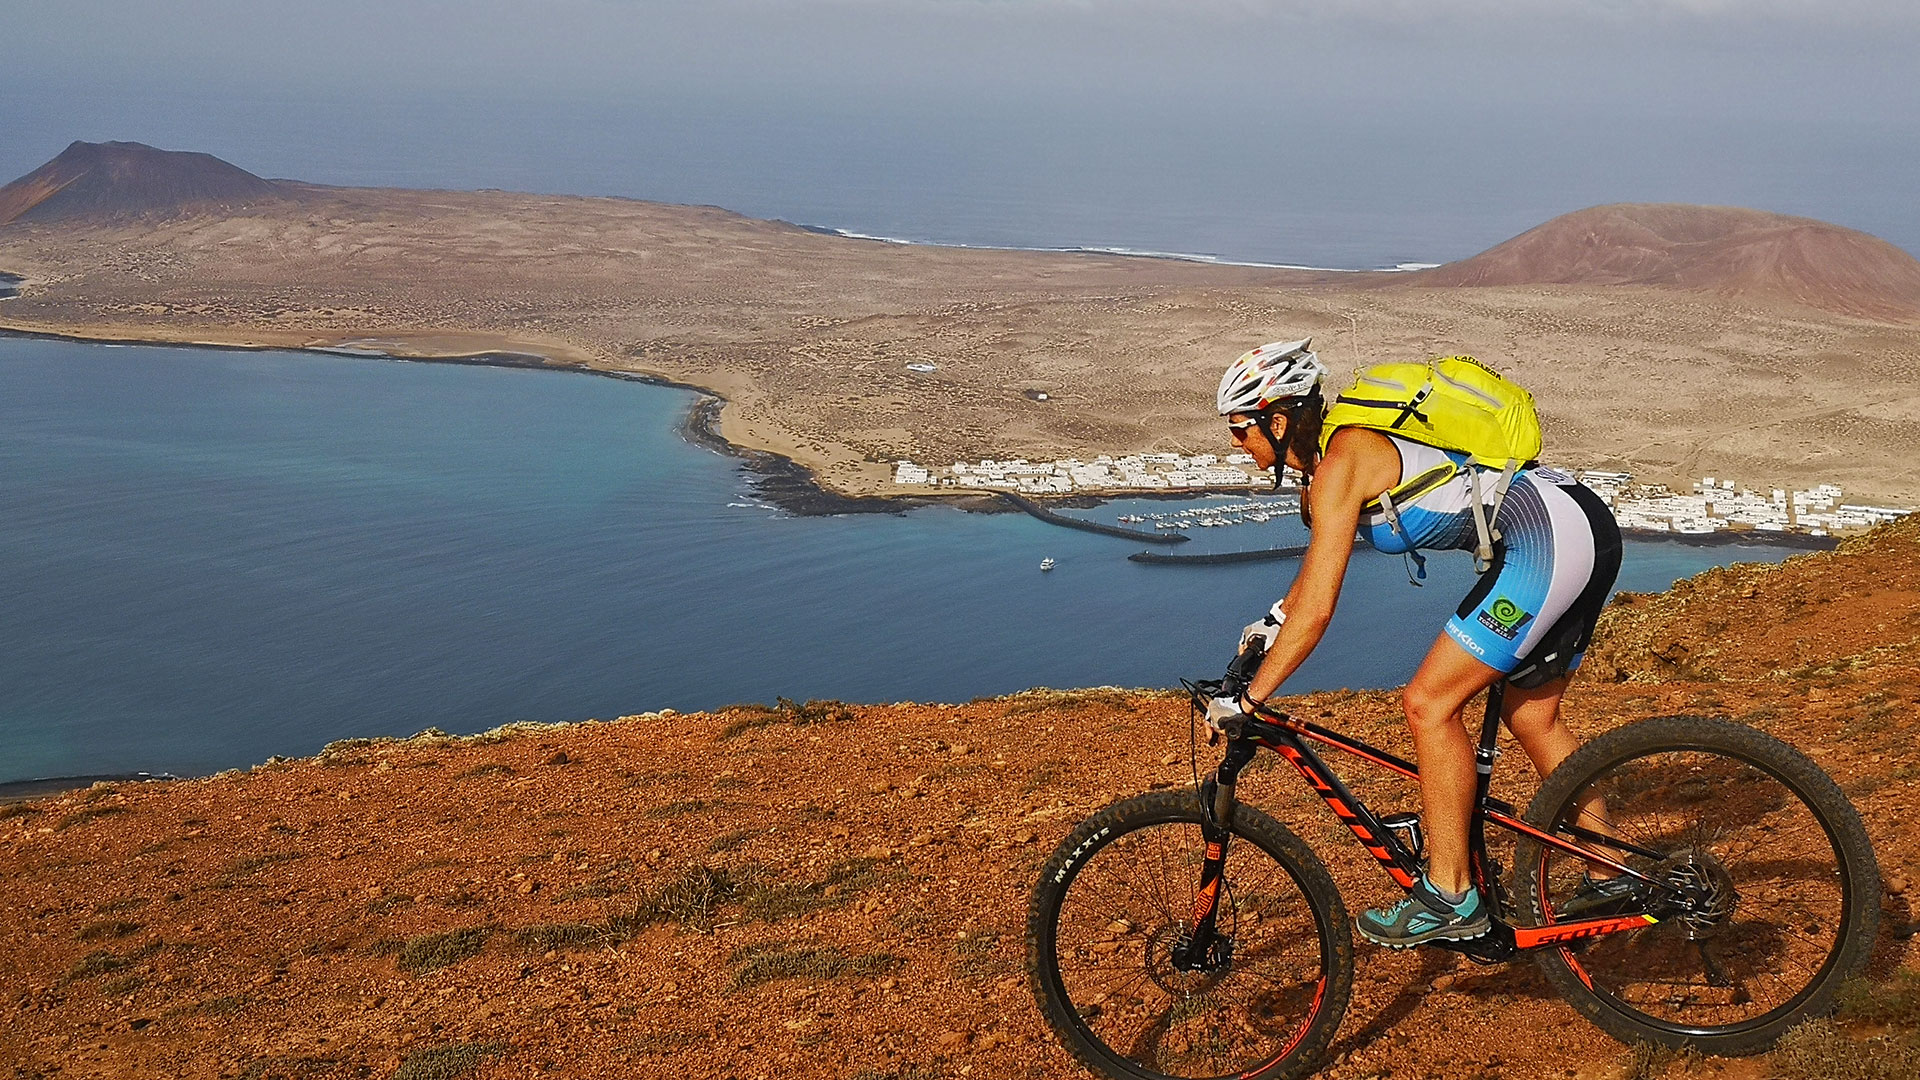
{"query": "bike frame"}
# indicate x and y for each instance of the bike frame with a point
(1292, 739)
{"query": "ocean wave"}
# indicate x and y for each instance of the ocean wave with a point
(1126, 252)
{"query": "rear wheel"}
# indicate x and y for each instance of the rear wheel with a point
(1115, 900)
(1773, 892)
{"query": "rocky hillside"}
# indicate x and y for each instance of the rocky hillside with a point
(1721, 249)
(831, 891)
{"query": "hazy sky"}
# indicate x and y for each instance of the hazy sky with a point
(1690, 98)
(1828, 57)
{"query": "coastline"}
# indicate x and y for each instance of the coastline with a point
(784, 480)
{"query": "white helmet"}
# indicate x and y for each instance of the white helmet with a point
(1270, 375)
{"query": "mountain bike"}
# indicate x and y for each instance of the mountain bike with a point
(1184, 934)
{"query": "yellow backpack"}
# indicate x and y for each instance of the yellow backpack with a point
(1454, 403)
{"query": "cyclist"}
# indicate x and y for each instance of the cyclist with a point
(1526, 620)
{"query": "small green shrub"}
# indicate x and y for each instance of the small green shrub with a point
(17, 809)
(429, 952)
(107, 928)
(447, 1062)
(98, 962)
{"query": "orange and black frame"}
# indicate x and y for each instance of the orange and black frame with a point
(1394, 842)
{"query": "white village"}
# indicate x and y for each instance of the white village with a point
(1714, 504)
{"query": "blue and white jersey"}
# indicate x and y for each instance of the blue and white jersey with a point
(1441, 519)
(1548, 547)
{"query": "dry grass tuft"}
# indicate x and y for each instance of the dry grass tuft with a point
(548, 936)
(1895, 1002)
(1107, 698)
(692, 899)
(86, 814)
(732, 840)
(781, 900)
(249, 866)
(294, 1067)
(107, 928)
(758, 964)
(786, 711)
(1820, 1050)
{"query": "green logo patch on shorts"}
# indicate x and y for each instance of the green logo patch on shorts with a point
(1504, 617)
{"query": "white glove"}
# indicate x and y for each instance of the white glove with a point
(1266, 630)
(1220, 710)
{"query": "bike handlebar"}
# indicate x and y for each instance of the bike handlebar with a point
(1240, 672)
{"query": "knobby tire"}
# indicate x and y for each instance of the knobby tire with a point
(1772, 835)
(1112, 901)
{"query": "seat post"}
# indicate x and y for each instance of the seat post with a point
(1489, 747)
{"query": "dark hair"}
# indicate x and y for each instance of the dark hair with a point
(1303, 441)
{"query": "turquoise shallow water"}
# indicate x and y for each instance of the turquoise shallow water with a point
(211, 557)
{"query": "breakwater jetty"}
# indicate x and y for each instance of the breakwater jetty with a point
(1158, 558)
(1029, 506)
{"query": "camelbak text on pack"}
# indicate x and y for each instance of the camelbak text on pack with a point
(1454, 403)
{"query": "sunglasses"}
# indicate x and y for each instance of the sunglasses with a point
(1242, 426)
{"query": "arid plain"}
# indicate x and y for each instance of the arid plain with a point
(1740, 371)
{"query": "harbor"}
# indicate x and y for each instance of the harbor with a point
(1713, 507)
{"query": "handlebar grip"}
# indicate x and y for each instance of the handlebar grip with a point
(1245, 665)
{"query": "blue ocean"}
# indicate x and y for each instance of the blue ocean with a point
(210, 557)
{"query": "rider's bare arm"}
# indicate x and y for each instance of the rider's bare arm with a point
(1359, 465)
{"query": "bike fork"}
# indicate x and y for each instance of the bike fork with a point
(1202, 948)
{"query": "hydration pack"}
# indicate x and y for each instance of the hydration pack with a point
(1454, 403)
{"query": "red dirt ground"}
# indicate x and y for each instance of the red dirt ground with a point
(271, 922)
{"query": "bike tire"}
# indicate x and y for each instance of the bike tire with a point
(1114, 896)
(1766, 828)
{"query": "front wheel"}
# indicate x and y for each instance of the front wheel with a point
(1770, 894)
(1113, 904)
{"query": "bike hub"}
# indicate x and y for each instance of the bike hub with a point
(1709, 898)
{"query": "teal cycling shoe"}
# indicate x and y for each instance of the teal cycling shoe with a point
(1425, 916)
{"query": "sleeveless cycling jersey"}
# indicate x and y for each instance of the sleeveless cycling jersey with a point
(1558, 541)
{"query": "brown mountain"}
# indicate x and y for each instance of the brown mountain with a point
(128, 179)
(1721, 249)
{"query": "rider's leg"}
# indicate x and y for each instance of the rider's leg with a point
(1442, 904)
(1448, 678)
(1533, 716)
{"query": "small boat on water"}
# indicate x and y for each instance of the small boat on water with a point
(1046, 563)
